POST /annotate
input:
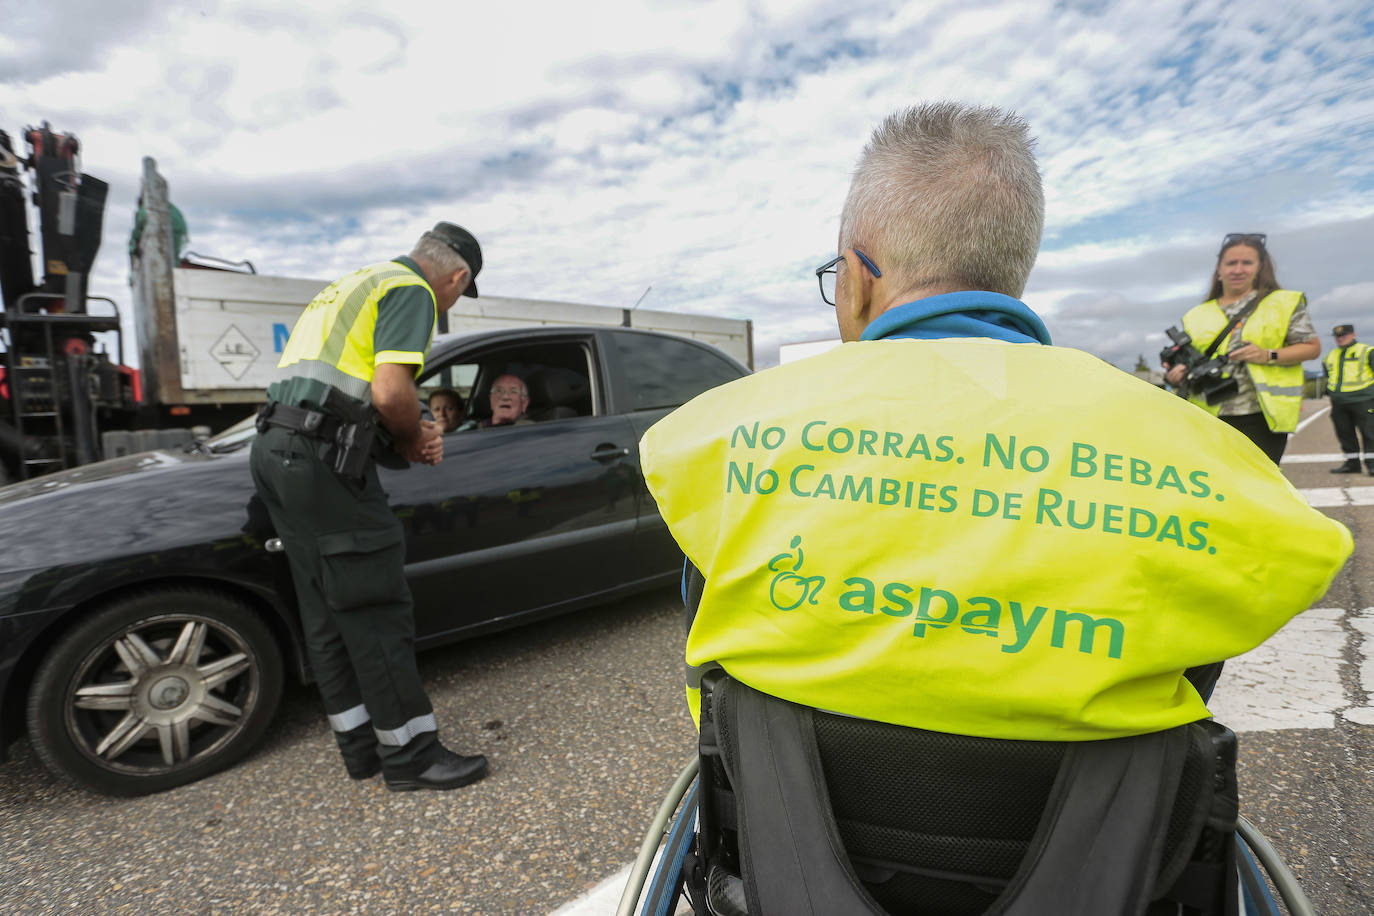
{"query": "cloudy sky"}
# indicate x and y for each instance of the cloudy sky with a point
(704, 148)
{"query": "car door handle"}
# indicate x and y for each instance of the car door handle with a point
(607, 452)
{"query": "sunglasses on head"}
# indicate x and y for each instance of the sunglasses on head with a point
(1232, 238)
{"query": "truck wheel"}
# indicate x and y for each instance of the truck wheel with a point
(157, 689)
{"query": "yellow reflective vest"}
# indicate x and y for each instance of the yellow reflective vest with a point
(1347, 369)
(1279, 388)
(977, 537)
(333, 339)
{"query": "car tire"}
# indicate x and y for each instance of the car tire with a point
(155, 690)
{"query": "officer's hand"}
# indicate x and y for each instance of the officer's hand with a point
(425, 448)
(1175, 374)
(431, 442)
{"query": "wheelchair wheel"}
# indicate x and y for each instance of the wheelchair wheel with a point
(667, 883)
(1252, 847)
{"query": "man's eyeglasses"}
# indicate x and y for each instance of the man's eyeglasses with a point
(1234, 237)
(825, 274)
(513, 392)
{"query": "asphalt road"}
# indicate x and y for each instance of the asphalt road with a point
(1310, 790)
(584, 722)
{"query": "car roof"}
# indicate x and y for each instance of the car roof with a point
(446, 343)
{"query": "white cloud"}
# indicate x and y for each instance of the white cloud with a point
(1347, 297)
(705, 148)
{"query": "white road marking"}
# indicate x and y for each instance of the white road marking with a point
(1325, 496)
(1291, 681)
(1308, 422)
(1364, 624)
(601, 900)
(1314, 458)
(604, 899)
(1338, 496)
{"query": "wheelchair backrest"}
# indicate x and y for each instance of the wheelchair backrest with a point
(821, 813)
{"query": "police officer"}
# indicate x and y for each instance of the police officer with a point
(1350, 382)
(347, 391)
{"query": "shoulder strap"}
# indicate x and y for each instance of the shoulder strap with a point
(1236, 319)
(1100, 842)
(790, 849)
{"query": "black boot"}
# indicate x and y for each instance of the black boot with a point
(449, 771)
(1352, 466)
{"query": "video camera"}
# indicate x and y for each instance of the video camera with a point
(1205, 377)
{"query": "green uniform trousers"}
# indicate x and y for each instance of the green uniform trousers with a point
(1350, 413)
(346, 551)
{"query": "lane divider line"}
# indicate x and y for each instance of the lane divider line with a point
(1314, 458)
(1305, 423)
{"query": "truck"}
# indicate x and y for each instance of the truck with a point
(209, 331)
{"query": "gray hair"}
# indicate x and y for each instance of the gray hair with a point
(523, 386)
(436, 252)
(948, 195)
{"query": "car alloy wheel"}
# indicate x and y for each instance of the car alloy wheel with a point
(155, 690)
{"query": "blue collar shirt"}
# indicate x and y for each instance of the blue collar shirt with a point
(970, 313)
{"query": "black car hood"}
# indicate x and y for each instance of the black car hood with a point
(90, 473)
(133, 504)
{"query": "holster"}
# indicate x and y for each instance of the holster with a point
(353, 448)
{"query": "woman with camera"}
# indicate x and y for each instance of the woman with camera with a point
(1264, 332)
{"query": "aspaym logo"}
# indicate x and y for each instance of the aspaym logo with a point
(789, 589)
(960, 607)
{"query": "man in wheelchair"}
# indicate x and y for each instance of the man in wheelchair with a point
(945, 582)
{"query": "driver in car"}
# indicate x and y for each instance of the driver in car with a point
(509, 401)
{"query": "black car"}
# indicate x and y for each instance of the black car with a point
(147, 617)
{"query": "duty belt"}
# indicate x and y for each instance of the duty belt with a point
(313, 423)
(350, 441)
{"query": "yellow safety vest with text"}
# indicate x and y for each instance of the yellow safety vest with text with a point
(1279, 388)
(333, 339)
(1347, 368)
(978, 537)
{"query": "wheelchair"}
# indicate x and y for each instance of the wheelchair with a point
(790, 811)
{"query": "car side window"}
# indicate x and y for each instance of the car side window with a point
(457, 376)
(665, 372)
(557, 377)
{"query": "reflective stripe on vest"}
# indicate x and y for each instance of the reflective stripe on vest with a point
(332, 340)
(1279, 388)
(1347, 368)
(983, 538)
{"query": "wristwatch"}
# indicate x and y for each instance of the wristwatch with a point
(1273, 356)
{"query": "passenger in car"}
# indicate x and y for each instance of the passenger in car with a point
(509, 401)
(447, 407)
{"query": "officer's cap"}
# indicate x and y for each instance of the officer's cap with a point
(465, 243)
(1340, 329)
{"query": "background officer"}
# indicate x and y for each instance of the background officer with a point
(351, 360)
(1350, 382)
